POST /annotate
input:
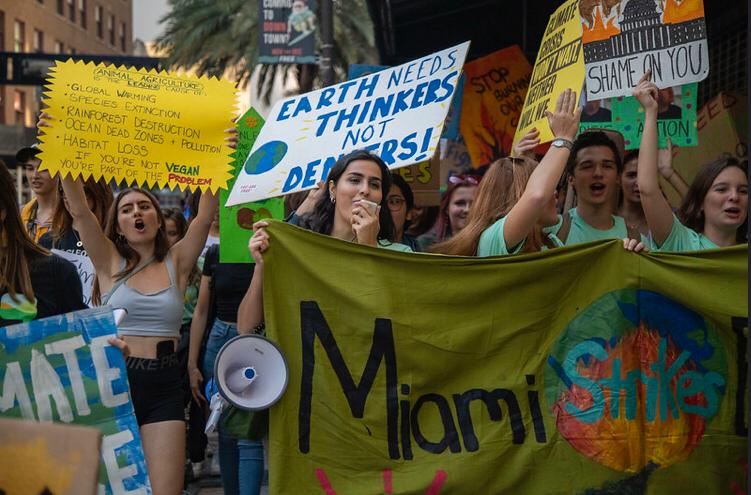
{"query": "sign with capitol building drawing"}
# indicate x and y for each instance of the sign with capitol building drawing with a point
(622, 41)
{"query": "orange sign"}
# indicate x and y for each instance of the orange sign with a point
(494, 90)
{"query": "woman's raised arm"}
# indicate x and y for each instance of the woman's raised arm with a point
(656, 208)
(564, 123)
(100, 249)
(186, 250)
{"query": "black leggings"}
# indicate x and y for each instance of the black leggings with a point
(156, 389)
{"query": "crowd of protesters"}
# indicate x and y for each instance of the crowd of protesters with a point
(183, 304)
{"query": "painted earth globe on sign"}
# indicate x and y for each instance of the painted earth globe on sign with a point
(265, 158)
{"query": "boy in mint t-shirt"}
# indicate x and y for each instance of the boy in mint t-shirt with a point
(594, 170)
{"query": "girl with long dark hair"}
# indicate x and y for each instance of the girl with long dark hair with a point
(355, 179)
(33, 282)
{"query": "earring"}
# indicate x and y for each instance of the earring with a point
(333, 199)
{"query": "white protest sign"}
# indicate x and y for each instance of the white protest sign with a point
(622, 41)
(397, 113)
(85, 269)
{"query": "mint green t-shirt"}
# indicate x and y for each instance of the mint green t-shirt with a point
(493, 243)
(394, 246)
(682, 238)
(581, 231)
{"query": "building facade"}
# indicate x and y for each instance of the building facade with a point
(96, 27)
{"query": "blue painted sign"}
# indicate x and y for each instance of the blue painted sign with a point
(62, 369)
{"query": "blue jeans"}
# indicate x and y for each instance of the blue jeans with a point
(241, 464)
(240, 460)
(220, 333)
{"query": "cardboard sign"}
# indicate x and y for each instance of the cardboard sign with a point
(154, 129)
(676, 119)
(86, 271)
(236, 222)
(287, 32)
(559, 66)
(397, 113)
(722, 125)
(624, 40)
(62, 369)
(61, 459)
(627, 383)
(493, 99)
(424, 179)
(455, 159)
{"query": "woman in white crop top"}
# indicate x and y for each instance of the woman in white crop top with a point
(134, 234)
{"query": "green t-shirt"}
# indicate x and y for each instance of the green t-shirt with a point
(581, 231)
(682, 238)
(190, 299)
(493, 243)
(394, 246)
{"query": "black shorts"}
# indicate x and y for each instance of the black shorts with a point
(156, 389)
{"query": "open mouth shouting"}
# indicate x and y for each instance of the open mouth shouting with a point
(733, 212)
(140, 225)
(597, 188)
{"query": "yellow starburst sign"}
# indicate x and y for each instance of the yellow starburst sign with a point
(154, 129)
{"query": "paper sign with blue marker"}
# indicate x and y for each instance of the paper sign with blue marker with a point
(62, 369)
(397, 113)
(451, 129)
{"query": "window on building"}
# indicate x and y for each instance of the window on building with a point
(122, 36)
(59, 47)
(19, 107)
(2, 34)
(98, 17)
(19, 36)
(61, 7)
(111, 28)
(38, 41)
(72, 10)
(82, 12)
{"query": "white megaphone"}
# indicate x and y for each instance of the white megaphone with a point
(250, 373)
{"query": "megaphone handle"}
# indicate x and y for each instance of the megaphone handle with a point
(217, 404)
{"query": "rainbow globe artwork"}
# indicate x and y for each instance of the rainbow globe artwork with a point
(634, 379)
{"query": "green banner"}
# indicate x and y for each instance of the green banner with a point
(236, 222)
(587, 369)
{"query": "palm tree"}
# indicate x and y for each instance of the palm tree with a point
(214, 36)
